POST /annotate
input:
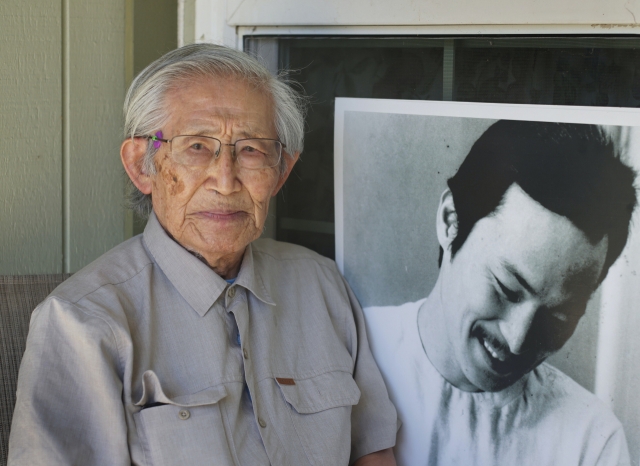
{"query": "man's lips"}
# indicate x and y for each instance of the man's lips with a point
(221, 214)
(500, 358)
(495, 350)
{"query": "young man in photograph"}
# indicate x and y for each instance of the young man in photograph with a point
(530, 224)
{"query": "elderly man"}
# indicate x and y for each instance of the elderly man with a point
(529, 226)
(193, 344)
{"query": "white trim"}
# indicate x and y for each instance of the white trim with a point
(210, 23)
(180, 13)
(338, 143)
(408, 12)
(489, 29)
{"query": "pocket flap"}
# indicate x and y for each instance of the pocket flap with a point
(152, 393)
(324, 391)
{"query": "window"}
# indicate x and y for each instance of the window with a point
(528, 70)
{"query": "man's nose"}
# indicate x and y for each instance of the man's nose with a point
(516, 324)
(223, 172)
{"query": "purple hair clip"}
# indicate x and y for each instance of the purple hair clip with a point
(155, 139)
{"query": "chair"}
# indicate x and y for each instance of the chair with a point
(19, 295)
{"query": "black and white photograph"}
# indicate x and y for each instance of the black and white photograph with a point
(494, 250)
(319, 233)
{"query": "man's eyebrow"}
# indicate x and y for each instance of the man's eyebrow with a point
(514, 271)
(244, 134)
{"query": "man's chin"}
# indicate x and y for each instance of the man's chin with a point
(217, 247)
(487, 379)
(219, 238)
(488, 383)
(489, 375)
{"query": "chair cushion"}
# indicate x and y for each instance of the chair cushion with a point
(19, 295)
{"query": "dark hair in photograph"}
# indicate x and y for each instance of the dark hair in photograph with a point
(570, 169)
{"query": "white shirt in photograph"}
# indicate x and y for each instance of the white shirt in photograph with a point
(545, 418)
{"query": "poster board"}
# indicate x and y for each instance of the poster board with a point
(392, 162)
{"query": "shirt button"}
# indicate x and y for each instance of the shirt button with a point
(245, 353)
(261, 422)
(184, 414)
(232, 292)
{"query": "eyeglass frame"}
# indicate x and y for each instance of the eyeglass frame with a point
(282, 145)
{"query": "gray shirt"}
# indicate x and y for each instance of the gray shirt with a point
(136, 359)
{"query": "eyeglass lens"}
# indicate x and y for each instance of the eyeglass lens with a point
(197, 151)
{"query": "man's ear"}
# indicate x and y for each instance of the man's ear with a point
(447, 220)
(290, 161)
(132, 153)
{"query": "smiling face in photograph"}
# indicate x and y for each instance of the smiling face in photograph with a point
(514, 292)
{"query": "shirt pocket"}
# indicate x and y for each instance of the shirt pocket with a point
(320, 411)
(186, 429)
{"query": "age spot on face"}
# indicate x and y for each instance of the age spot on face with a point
(175, 184)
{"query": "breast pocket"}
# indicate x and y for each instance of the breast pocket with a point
(186, 429)
(320, 411)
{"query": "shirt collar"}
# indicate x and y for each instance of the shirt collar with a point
(195, 281)
(251, 276)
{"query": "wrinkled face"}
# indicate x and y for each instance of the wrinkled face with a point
(218, 210)
(515, 291)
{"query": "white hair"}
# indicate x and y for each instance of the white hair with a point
(145, 112)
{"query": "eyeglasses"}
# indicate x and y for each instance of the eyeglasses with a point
(198, 151)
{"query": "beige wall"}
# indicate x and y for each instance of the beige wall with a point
(62, 82)
(155, 30)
